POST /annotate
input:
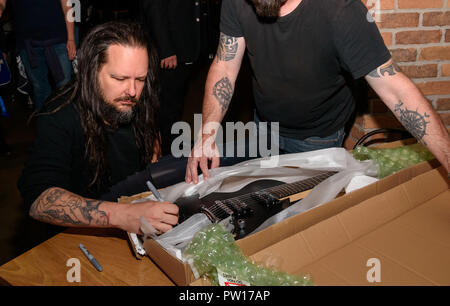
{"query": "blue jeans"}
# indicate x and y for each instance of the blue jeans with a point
(292, 145)
(39, 75)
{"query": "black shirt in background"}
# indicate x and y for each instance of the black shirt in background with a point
(299, 61)
(38, 20)
(57, 156)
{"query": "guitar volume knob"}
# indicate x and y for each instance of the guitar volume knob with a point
(241, 224)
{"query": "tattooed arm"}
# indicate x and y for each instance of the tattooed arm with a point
(219, 89)
(414, 112)
(221, 78)
(61, 207)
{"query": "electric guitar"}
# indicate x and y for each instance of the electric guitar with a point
(250, 206)
(246, 209)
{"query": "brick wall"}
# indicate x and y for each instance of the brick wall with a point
(417, 32)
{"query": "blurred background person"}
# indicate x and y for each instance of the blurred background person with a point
(45, 41)
(5, 149)
(182, 31)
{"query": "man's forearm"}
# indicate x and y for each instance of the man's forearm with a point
(411, 108)
(219, 90)
(61, 207)
(70, 26)
(219, 87)
(418, 116)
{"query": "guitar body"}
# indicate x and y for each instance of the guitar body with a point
(257, 212)
(249, 207)
(246, 208)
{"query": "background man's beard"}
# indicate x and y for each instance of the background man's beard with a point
(268, 8)
(116, 117)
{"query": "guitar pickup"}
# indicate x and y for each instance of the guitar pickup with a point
(240, 208)
(266, 199)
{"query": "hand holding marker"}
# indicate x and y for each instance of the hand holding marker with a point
(146, 227)
(154, 191)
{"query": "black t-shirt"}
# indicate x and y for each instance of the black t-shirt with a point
(57, 156)
(300, 60)
(38, 20)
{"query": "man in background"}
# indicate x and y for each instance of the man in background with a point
(301, 52)
(180, 30)
(45, 41)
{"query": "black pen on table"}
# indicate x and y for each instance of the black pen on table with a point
(91, 258)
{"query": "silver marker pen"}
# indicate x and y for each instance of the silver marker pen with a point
(154, 191)
(91, 258)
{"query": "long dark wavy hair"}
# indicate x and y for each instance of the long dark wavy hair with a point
(84, 92)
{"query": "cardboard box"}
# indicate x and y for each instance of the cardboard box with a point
(275, 235)
(397, 237)
(403, 233)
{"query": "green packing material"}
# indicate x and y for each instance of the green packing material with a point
(214, 253)
(391, 160)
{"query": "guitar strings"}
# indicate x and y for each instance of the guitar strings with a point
(290, 188)
(304, 185)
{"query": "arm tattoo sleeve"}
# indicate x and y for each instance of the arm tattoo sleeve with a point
(223, 91)
(61, 207)
(227, 49)
(413, 121)
(389, 69)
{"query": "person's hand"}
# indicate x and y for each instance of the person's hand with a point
(157, 153)
(169, 62)
(71, 49)
(203, 152)
(155, 157)
(161, 215)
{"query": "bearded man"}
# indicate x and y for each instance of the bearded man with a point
(302, 52)
(97, 131)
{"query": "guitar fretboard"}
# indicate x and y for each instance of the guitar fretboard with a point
(218, 210)
(288, 189)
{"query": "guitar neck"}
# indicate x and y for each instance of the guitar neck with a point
(241, 205)
(289, 189)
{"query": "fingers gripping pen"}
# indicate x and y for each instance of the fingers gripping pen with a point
(146, 227)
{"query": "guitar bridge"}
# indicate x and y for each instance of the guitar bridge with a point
(211, 216)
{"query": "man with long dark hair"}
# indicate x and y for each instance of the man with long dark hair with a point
(97, 131)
